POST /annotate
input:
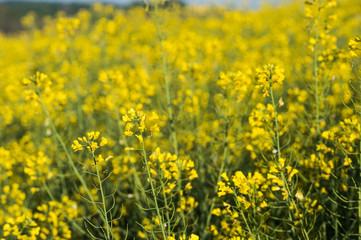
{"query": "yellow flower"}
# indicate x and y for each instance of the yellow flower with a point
(126, 118)
(76, 146)
(193, 174)
(100, 159)
(217, 212)
(103, 142)
(193, 237)
(282, 162)
(291, 171)
(353, 54)
(224, 176)
(269, 76)
(352, 44)
(284, 193)
(140, 138)
(128, 129)
(153, 116)
(89, 142)
(132, 113)
(93, 146)
(347, 161)
(93, 135)
(263, 204)
(223, 189)
(154, 128)
(141, 126)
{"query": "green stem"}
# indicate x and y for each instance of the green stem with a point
(166, 207)
(209, 217)
(283, 177)
(108, 230)
(315, 71)
(124, 139)
(359, 158)
(243, 216)
(70, 160)
(276, 123)
(167, 81)
(224, 161)
(153, 191)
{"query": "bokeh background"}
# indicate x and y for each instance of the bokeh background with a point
(11, 11)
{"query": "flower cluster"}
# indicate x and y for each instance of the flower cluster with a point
(211, 158)
(41, 82)
(245, 189)
(89, 142)
(140, 124)
(269, 76)
(67, 27)
(235, 84)
(168, 167)
(354, 46)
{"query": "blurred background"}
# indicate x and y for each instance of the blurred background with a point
(11, 11)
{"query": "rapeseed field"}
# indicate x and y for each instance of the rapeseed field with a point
(183, 123)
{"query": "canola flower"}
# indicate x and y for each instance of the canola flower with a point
(202, 138)
(269, 76)
(89, 142)
(354, 46)
(135, 122)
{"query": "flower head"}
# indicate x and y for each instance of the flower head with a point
(269, 76)
(89, 142)
(354, 46)
(140, 124)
